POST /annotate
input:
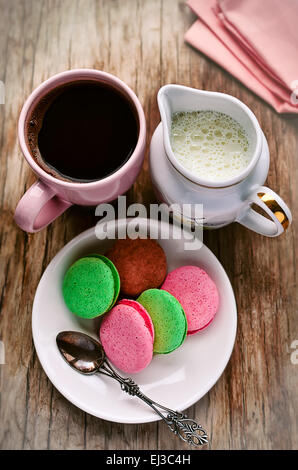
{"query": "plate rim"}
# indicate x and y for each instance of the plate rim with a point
(195, 397)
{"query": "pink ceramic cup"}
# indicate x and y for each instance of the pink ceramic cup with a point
(49, 197)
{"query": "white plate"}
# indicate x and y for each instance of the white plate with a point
(176, 380)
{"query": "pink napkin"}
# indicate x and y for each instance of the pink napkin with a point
(256, 41)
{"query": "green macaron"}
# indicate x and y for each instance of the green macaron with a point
(91, 286)
(114, 272)
(168, 317)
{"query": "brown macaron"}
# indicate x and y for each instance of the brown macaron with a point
(141, 264)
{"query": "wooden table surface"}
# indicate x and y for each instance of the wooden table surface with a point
(254, 403)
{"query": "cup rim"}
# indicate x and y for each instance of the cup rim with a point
(63, 77)
(187, 173)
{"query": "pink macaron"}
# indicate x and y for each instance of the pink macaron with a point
(197, 294)
(127, 336)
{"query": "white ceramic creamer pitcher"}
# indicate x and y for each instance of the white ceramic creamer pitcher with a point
(223, 201)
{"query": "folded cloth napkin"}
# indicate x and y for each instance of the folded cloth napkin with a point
(256, 41)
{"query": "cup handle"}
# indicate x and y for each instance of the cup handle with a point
(39, 207)
(274, 206)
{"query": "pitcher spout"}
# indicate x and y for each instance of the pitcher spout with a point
(174, 99)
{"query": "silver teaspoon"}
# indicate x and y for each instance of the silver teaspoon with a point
(86, 355)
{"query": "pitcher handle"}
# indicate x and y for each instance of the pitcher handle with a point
(39, 207)
(274, 206)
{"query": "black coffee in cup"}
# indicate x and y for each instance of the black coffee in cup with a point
(82, 131)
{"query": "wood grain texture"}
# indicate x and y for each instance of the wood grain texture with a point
(254, 404)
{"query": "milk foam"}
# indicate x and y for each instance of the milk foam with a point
(212, 145)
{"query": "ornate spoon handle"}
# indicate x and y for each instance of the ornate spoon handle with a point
(187, 429)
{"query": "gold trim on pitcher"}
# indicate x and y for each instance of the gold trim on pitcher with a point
(273, 205)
